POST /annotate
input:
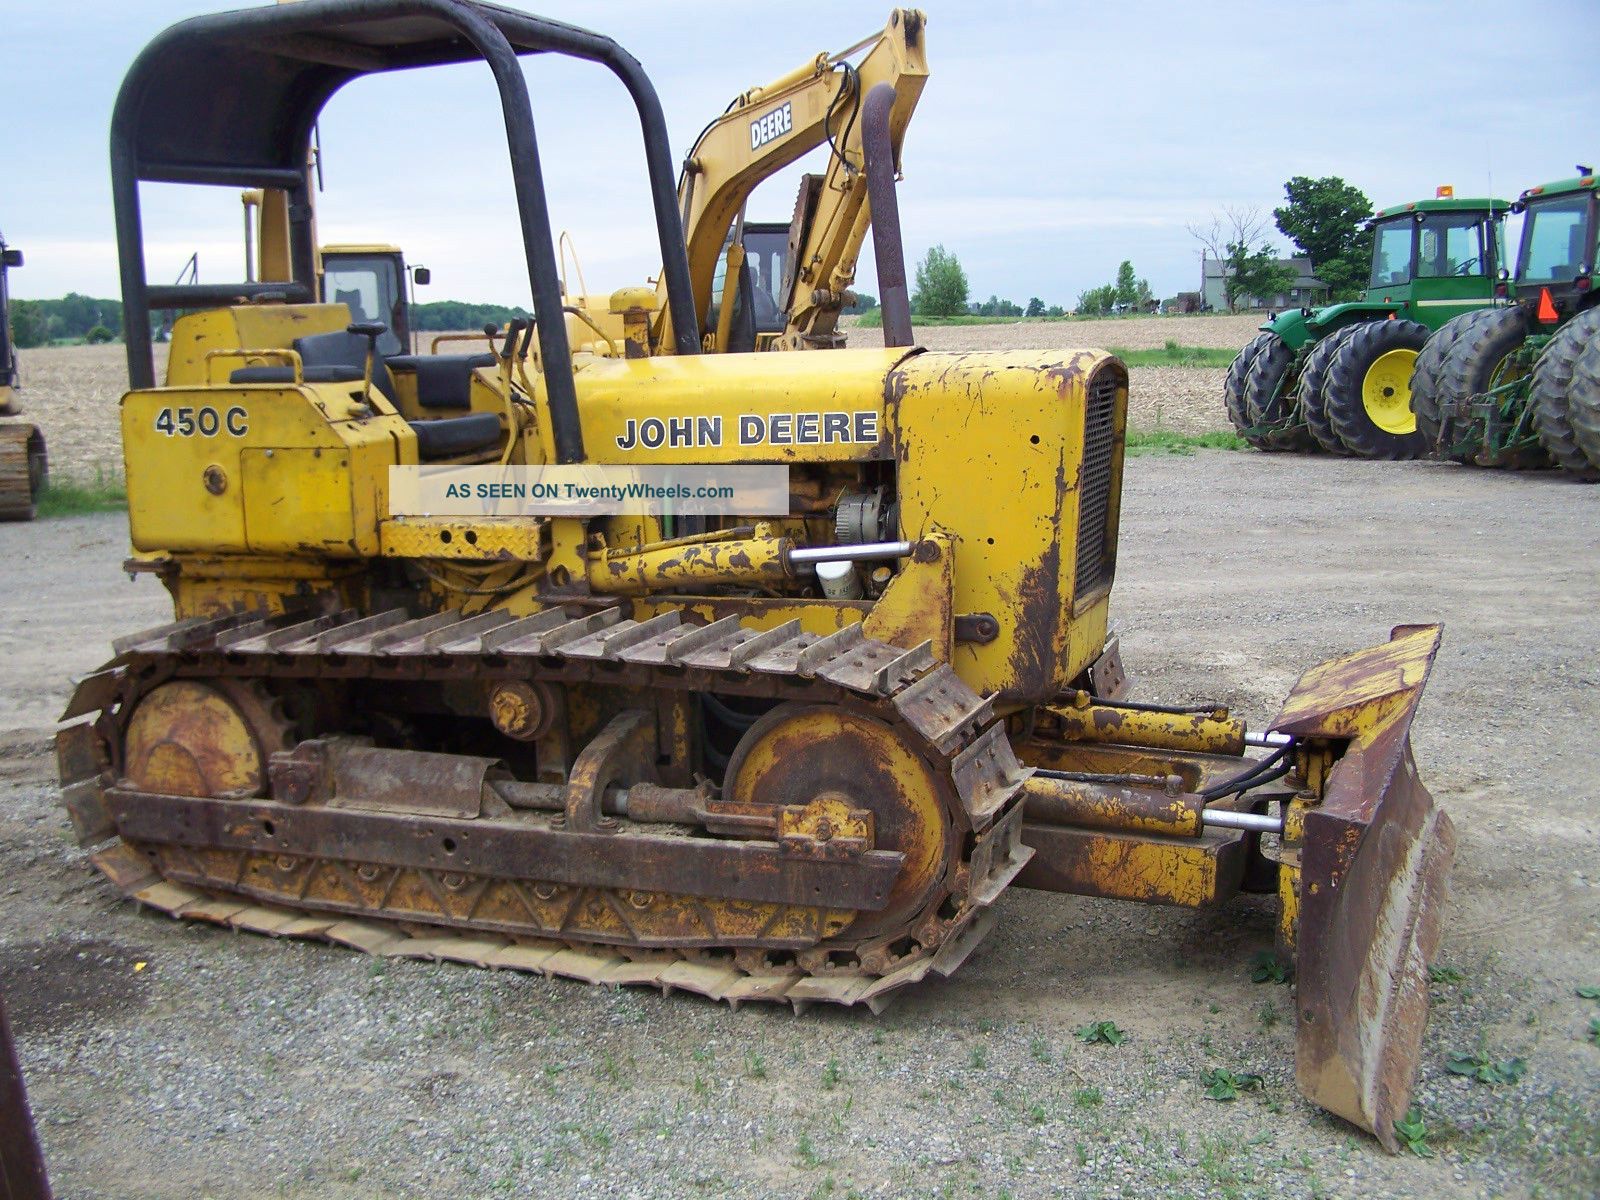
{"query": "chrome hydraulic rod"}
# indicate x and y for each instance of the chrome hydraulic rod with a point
(863, 552)
(1227, 818)
(1267, 741)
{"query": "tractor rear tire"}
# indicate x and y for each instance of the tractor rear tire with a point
(1583, 400)
(1551, 398)
(1313, 377)
(1426, 381)
(1269, 398)
(1233, 387)
(1472, 366)
(1367, 395)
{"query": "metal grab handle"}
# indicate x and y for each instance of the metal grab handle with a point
(289, 357)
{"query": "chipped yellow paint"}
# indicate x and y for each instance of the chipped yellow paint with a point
(918, 604)
(481, 538)
(1203, 733)
(757, 559)
(990, 448)
(1360, 695)
(1129, 866)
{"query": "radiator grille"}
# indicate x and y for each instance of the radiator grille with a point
(1097, 552)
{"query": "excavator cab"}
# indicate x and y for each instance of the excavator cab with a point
(758, 313)
(370, 281)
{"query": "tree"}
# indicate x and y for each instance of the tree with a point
(30, 324)
(1255, 272)
(440, 315)
(1035, 307)
(1237, 238)
(98, 335)
(1131, 292)
(941, 285)
(1326, 219)
(1097, 301)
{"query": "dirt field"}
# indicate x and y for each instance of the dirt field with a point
(1182, 399)
(71, 392)
(166, 1060)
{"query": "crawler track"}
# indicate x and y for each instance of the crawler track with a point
(227, 872)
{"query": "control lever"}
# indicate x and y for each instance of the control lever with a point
(514, 330)
(372, 331)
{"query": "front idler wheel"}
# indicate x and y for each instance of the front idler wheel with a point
(821, 757)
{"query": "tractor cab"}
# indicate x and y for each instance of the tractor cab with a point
(1556, 262)
(1438, 252)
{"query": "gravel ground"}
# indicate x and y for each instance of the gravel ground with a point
(71, 392)
(168, 1060)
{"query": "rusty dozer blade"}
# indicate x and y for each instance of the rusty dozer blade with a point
(1366, 911)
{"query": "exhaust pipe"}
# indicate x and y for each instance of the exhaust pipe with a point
(890, 254)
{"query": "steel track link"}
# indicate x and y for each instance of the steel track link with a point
(952, 726)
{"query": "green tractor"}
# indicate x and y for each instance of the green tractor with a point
(1339, 377)
(1518, 385)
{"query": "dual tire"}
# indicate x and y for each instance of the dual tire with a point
(1233, 396)
(1366, 395)
(1353, 393)
(1477, 353)
(1566, 397)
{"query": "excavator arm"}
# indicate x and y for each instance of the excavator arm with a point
(767, 128)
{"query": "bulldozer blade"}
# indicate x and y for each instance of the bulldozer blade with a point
(1375, 859)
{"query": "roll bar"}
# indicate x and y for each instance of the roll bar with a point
(232, 100)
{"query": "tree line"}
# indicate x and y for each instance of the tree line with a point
(1325, 219)
(71, 318)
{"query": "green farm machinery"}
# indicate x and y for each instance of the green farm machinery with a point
(1518, 384)
(1338, 378)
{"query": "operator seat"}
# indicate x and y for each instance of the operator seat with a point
(443, 380)
(341, 357)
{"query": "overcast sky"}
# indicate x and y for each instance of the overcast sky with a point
(1051, 142)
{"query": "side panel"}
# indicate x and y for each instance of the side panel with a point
(991, 450)
(730, 408)
(256, 468)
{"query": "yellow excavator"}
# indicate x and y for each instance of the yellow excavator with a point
(768, 285)
(24, 467)
(791, 752)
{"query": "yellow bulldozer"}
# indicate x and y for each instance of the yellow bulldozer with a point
(791, 754)
(24, 467)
